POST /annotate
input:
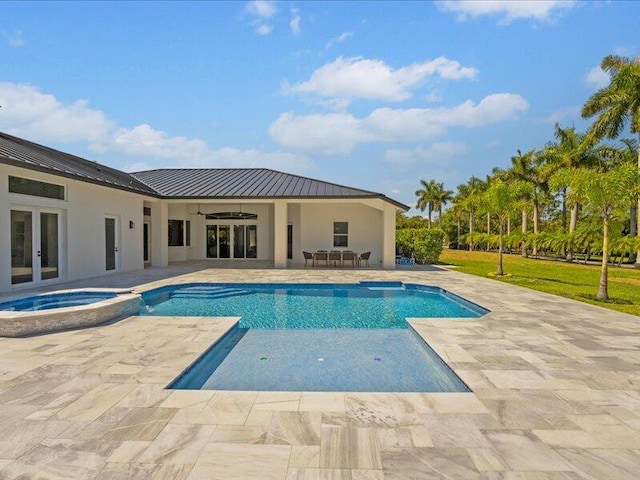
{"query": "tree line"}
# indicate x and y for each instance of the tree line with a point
(576, 197)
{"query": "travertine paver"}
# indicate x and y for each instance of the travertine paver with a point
(555, 396)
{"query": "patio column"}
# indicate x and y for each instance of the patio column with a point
(160, 234)
(280, 234)
(388, 236)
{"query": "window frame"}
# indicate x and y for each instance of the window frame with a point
(340, 235)
(178, 237)
(34, 180)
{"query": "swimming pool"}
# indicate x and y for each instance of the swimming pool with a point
(55, 300)
(321, 360)
(316, 337)
(371, 305)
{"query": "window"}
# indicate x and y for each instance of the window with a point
(289, 242)
(340, 234)
(35, 188)
(176, 233)
(146, 211)
(231, 216)
(187, 232)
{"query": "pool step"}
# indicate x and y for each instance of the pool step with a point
(209, 295)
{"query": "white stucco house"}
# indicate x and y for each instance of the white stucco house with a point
(67, 218)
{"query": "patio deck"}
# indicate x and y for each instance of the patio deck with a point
(555, 396)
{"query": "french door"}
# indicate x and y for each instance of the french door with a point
(233, 240)
(35, 245)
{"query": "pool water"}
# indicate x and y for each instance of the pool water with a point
(326, 360)
(370, 305)
(55, 300)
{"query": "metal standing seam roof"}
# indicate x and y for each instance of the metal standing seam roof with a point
(234, 183)
(183, 183)
(22, 153)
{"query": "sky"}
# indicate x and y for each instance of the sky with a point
(374, 95)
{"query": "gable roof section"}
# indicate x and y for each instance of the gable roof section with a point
(234, 183)
(22, 153)
(183, 183)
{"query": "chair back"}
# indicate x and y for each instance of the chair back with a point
(320, 255)
(365, 255)
(348, 256)
(335, 255)
(308, 255)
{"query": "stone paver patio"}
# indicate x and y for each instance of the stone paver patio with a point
(555, 396)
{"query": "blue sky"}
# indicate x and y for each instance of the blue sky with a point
(373, 95)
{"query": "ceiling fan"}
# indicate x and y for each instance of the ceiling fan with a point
(198, 212)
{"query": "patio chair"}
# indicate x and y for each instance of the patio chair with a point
(335, 256)
(364, 258)
(308, 256)
(321, 255)
(349, 256)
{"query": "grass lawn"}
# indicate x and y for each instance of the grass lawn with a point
(576, 281)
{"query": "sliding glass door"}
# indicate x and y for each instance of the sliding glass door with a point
(233, 241)
(35, 245)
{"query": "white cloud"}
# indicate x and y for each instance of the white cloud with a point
(373, 79)
(433, 97)
(261, 8)
(261, 11)
(294, 24)
(566, 113)
(27, 112)
(264, 29)
(435, 154)
(15, 39)
(507, 11)
(339, 39)
(597, 78)
(340, 133)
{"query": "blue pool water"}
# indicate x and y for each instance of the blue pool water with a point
(55, 300)
(331, 360)
(371, 305)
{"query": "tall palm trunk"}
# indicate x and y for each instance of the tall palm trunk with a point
(535, 227)
(603, 291)
(524, 232)
(471, 225)
(573, 221)
(488, 222)
(429, 216)
(500, 269)
(458, 239)
(509, 225)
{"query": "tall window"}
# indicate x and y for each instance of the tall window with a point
(187, 233)
(176, 233)
(340, 234)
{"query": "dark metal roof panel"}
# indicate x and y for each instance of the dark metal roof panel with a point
(22, 153)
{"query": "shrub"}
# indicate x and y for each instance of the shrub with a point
(423, 244)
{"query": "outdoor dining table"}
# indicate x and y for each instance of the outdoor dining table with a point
(328, 252)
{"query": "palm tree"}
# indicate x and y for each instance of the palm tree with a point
(469, 197)
(572, 150)
(427, 197)
(502, 199)
(604, 192)
(440, 198)
(616, 105)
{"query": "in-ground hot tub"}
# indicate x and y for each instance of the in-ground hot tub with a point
(64, 310)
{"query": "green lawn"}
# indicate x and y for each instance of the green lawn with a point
(576, 281)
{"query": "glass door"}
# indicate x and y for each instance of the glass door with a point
(232, 241)
(49, 246)
(146, 242)
(238, 241)
(224, 241)
(35, 246)
(21, 246)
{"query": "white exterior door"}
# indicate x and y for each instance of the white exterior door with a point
(35, 245)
